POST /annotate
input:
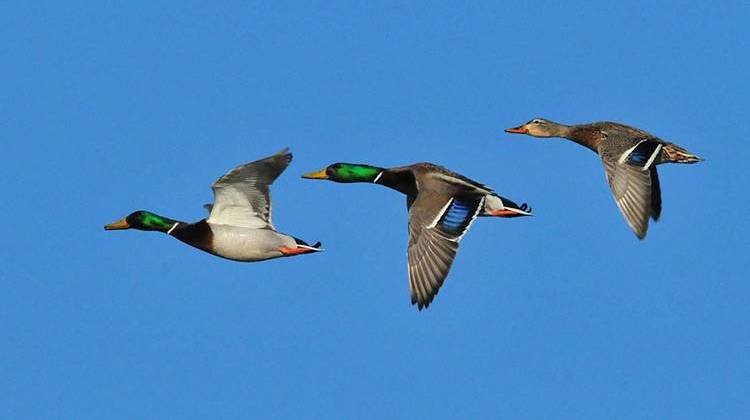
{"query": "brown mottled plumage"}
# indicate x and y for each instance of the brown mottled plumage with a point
(629, 155)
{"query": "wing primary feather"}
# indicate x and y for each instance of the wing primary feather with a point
(242, 196)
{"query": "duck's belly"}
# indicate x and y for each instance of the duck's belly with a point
(242, 244)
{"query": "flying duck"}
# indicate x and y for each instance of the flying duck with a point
(442, 206)
(630, 156)
(239, 224)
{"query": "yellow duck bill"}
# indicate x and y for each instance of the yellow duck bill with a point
(321, 174)
(118, 225)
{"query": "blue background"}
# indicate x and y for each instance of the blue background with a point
(111, 107)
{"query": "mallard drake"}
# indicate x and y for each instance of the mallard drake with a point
(239, 224)
(442, 206)
(630, 156)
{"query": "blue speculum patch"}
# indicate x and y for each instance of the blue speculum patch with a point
(642, 153)
(458, 215)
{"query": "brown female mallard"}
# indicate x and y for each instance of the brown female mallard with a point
(630, 156)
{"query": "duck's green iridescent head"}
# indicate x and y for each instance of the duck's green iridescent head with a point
(347, 172)
(142, 220)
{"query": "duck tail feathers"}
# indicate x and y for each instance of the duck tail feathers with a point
(676, 154)
(303, 244)
(497, 206)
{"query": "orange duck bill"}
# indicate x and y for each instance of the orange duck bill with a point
(517, 130)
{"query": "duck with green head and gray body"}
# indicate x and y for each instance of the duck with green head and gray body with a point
(629, 155)
(442, 206)
(239, 225)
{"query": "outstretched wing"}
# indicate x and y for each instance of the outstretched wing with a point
(635, 184)
(437, 222)
(242, 197)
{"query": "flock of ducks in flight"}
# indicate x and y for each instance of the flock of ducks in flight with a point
(442, 204)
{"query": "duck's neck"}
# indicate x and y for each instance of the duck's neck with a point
(581, 134)
(561, 130)
(402, 181)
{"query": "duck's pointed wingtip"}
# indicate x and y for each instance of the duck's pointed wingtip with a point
(420, 304)
(284, 152)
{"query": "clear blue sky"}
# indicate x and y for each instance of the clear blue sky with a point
(112, 107)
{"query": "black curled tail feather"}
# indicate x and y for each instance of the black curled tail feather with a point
(299, 241)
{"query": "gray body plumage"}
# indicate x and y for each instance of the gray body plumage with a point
(238, 226)
(240, 217)
(247, 244)
(430, 191)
